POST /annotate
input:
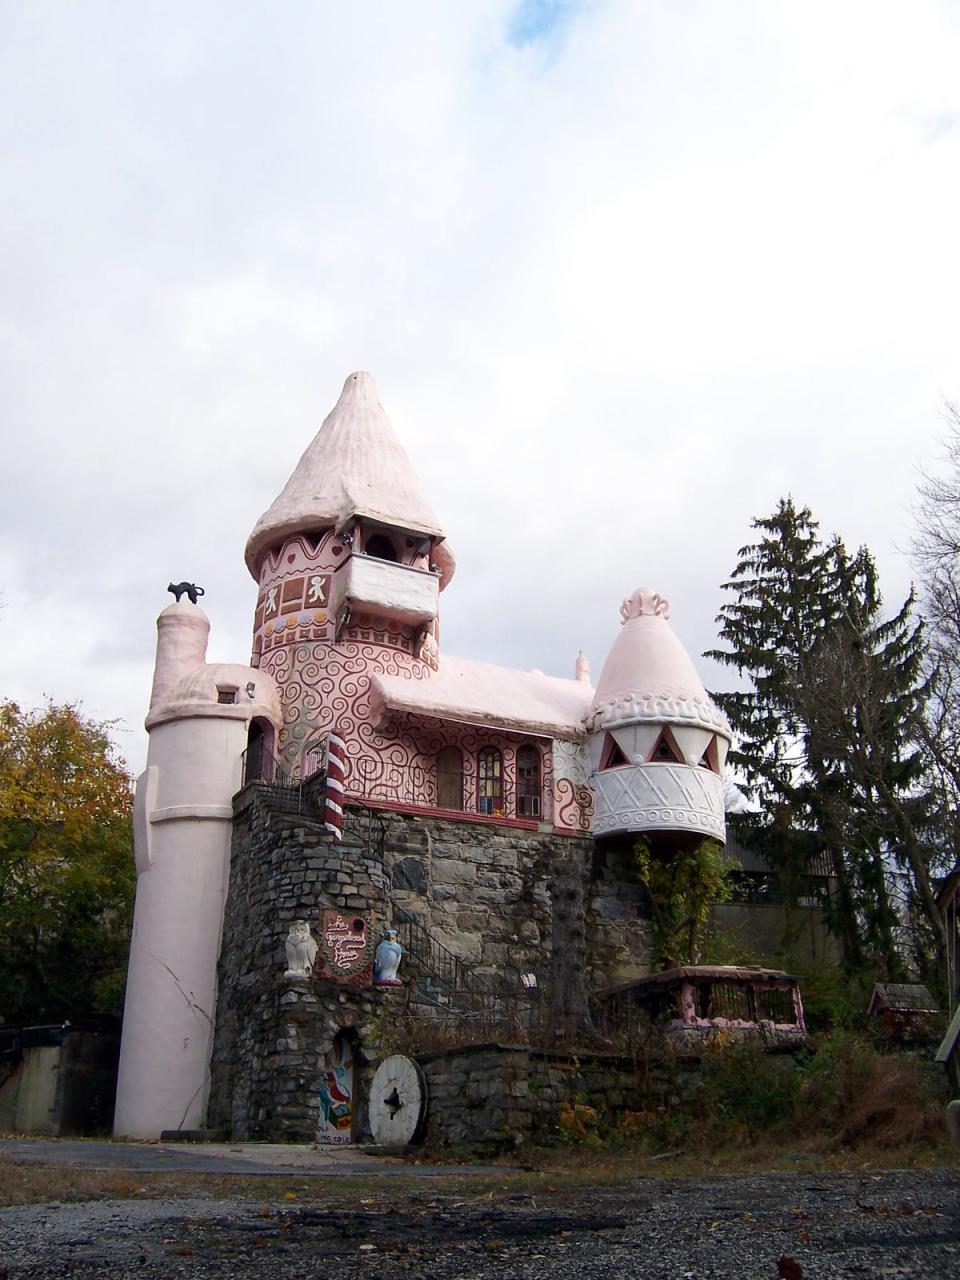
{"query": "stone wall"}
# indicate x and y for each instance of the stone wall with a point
(505, 900)
(272, 1032)
(499, 1094)
(487, 893)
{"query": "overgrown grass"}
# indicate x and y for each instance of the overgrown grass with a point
(845, 1101)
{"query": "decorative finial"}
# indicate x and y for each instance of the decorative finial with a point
(583, 668)
(644, 603)
(189, 589)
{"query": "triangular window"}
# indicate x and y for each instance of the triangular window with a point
(611, 757)
(665, 752)
(709, 758)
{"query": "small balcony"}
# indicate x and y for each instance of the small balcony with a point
(658, 797)
(396, 591)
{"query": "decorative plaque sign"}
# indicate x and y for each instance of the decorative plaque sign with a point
(346, 949)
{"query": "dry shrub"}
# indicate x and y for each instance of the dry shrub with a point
(853, 1095)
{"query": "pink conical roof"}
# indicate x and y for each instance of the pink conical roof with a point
(355, 466)
(648, 674)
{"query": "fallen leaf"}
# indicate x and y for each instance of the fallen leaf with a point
(788, 1268)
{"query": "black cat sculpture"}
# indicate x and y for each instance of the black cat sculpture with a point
(189, 589)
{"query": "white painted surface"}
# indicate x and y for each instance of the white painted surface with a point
(480, 693)
(649, 676)
(182, 632)
(182, 829)
(392, 590)
(658, 797)
(398, 1101)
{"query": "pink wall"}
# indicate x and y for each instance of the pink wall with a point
(324, 685)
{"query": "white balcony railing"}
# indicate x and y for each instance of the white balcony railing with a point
(393, 590)
(658, 797)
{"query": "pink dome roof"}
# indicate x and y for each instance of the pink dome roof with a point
(648, 674)
(198, 694)
(355, 466)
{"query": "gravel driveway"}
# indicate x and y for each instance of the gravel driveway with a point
(738, 1228)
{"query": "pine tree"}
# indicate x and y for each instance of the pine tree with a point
(864, 695)
(829, 734)
(786, 594)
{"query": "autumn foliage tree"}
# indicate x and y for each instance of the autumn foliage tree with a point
(66, 866)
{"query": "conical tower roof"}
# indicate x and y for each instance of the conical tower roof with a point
(648, 674)
(355, 466)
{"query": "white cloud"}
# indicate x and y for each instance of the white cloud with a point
(624, 282)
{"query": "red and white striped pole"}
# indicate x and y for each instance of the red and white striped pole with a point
(336, 774)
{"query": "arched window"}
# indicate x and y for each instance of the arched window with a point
(450, 778)
(528, 782)
(380, 546)
(489, 781)
(258, 761)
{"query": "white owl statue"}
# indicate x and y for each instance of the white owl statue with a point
(301, 950)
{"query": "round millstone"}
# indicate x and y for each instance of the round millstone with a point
(398, 1101)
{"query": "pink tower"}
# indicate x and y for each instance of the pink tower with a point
(349, 560)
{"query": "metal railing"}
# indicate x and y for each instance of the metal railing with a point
(259, 765)
(288, 792)
(447, 987)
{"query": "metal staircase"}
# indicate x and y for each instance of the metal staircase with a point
(444, 986)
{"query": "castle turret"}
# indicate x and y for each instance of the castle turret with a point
(200, 721)
(182, 634)
(657, 743)
(350, 560)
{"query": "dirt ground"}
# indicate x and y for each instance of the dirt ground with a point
(501, 1225)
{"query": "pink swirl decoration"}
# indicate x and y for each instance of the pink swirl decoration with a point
(573, 805)
(324, 686)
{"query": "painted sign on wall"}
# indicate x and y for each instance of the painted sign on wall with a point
(346, 948)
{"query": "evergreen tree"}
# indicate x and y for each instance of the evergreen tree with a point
(786, 594)
(864, 693)
(829, 733)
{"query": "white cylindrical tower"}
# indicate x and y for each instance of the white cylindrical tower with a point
(198, 723)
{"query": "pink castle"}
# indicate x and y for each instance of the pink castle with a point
(350, 561)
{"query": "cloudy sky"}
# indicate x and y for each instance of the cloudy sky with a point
(626, 271)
